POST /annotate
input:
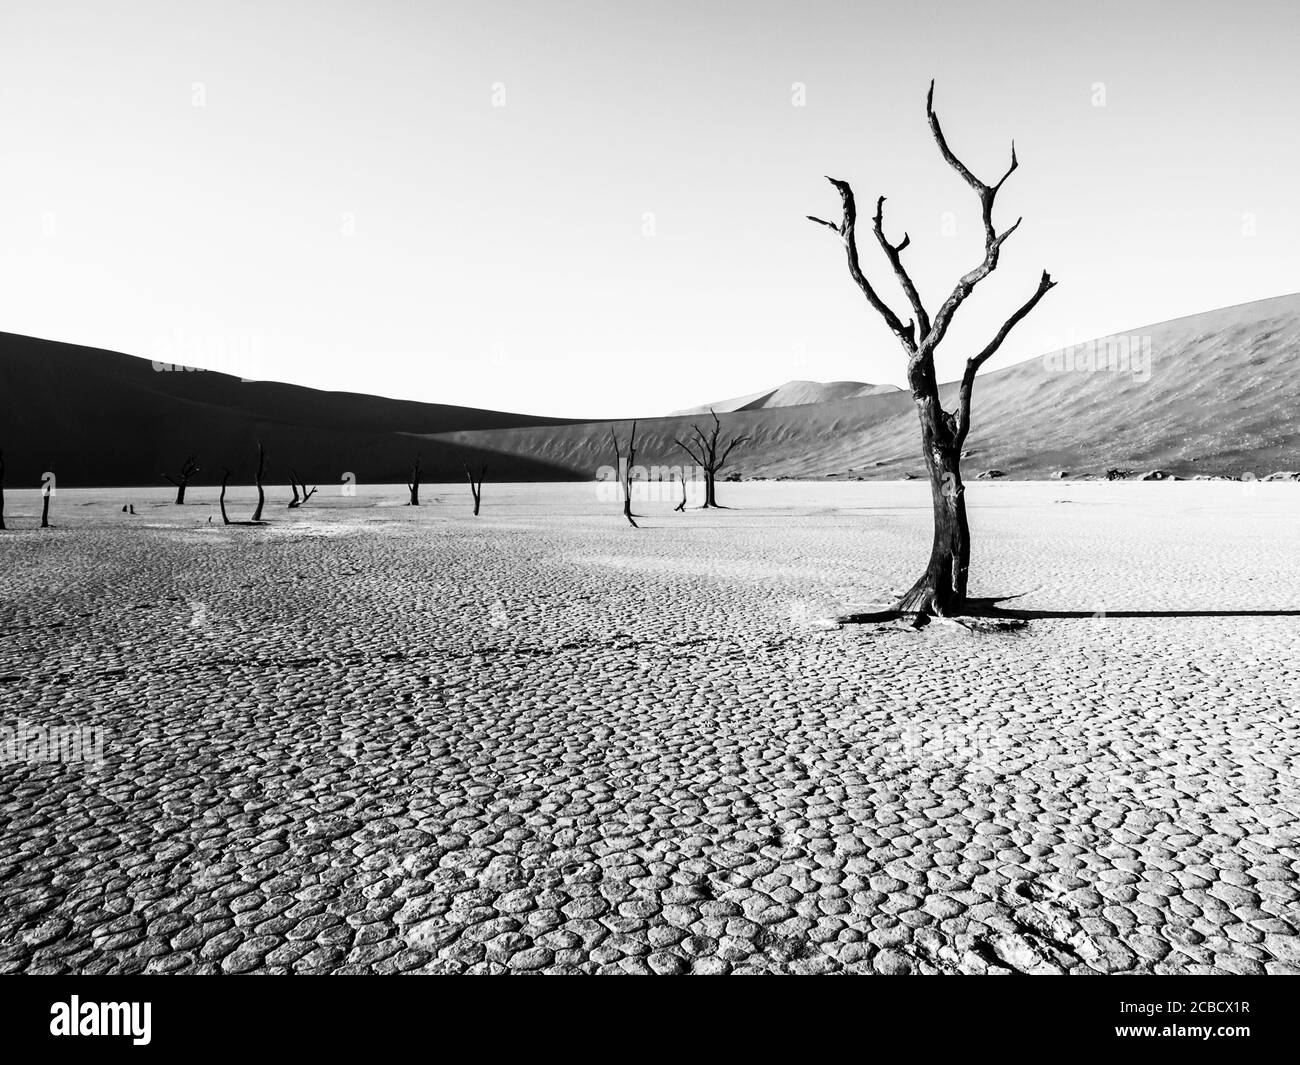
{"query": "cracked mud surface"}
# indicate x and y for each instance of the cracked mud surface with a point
(368, 738)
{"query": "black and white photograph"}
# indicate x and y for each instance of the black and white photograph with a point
(563, 487)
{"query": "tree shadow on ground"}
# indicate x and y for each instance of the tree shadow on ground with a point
(991, 610)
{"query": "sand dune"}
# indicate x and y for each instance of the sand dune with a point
(101, 418)
(793, 394)
(1213, 394)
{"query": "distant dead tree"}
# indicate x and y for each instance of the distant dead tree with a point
(188, 470)
(414, 486)
(225, 479)
(682, 505)
(625, 472)
(261, 494)
(294, 482)
(476, 487)
(2, 491)
(941, 589)
(261, 469)
(707, 452)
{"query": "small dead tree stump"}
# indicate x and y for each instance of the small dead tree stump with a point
(476, 486)
(414, 486)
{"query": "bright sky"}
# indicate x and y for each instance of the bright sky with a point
(597, 208)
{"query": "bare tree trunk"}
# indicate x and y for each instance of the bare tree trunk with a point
(261, 495)
(682, 505)
(45, 509)
(2, 491)
(476, 487)
(941, 589)
(414, 486)
(225, 518)
(625, 472)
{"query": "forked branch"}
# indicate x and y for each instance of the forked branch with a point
(846, 230)
(475, 484)
(894, 253)
(993, 240)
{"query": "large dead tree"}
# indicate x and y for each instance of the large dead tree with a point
(294, 482)
(476, 486)
(624, 472)
(414, 486)
(708, 453)
(941, 589)
(2, 491)
(188, 470)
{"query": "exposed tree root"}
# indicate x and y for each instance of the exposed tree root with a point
(918, 610)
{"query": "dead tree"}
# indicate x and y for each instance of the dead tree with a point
(225, 479)
(704, 452)
(682, 505)
(625, 472)
(941, 589)
(188, 470)
(261, 495)
(2, 491)
(475, 486)
(294, 482)
(414, 486)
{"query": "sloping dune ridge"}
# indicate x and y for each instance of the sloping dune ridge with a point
(792, 394)
(101, 418)
(1213, 393)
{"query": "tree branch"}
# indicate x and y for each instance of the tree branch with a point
(905, 333)
(894, 253)
(735, 441)
(993, 240)
(973, 364)
(698, 460)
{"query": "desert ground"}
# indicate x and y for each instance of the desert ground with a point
(373, 738)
